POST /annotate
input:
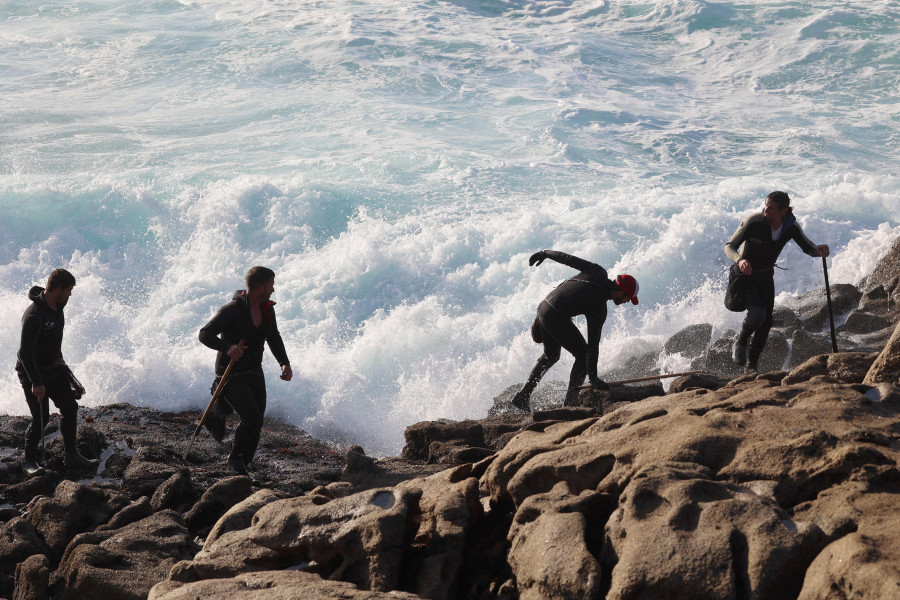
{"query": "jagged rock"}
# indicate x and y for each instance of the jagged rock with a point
(358, 462)
(137, 510)
(420, 436)
(149, 468)
(887, 271)
(241, 514)
(805, 345)
(358, 539)
(272, 585)
(844, 367)
(31, 487)
(718, 357)
(125, 563)
(216, 501)
(551, 541)
(697, 381)
(73, 509)
(862, 322)
(18, 541)
(32, 578)
(680, 534)
(862, 516)
(886, 367)
(115, 466)
(690, 341)
(784, 317)
(175, 492)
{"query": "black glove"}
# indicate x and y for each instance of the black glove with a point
(536, 259)
(598, 384)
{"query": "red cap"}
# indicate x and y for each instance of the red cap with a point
(629, 285)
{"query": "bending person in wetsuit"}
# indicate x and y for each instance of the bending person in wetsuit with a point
(43, 372)
(249, 316)
(584, 294)
(763, 235)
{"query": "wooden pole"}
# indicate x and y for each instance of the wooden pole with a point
(639, 379)
(216, 393)
(830, 311)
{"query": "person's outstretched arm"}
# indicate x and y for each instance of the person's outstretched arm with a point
(576, 263)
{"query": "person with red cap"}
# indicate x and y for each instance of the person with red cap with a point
(584, 294)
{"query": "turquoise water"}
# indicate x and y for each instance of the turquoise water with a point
(397, 162)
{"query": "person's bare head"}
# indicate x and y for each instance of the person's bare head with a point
(59, 288)
(260, 282)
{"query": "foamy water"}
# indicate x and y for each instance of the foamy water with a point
(396, 163)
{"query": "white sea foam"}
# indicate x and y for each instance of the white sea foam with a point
(397, 163)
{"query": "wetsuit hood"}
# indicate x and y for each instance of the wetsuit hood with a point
(35, 294)
(788, 221)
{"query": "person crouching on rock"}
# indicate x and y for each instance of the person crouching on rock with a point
(584, 294)
(43, 372)
(250, 316)
(763, 236)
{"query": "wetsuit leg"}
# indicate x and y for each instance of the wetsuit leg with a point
(765, 286)
(564, 331)
(246, 393)
(551, 354)
(33, 433)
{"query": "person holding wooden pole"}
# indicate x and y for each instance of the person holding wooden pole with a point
(250, 316)
(584, 294)
(763, 236)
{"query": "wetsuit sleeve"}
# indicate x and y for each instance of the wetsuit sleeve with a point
(576, 263)
(276, 344)
(31, 330)
(209, 333)
(804, 242)
(732, 245)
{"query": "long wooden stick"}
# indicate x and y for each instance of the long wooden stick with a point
(650, 378)
(216, 393)
(830, 312)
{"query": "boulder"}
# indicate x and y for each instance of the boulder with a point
(73, 509)
(241, 514)
(805, 345)
(863, 322)
(18, 541)
(176, 493)
(886, 367)
(845, 367)
(216, 501)
(137, 510)
(680, 534)
(887, 271)
(697, 381)
(690, 341)
(420, 436)
(32, 578)
(123, 563)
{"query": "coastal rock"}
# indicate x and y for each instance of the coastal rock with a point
(679, 533)
(32, 578)
(690, 341)
(844, 367)
(124, 563)
(887, 272)
(886, 367)
(216, 501)
(241, 514)
(863, 322)
(805, 345)
(18, 541)
(176, 493)
(137, 510)
(73, 509)
(272, 585)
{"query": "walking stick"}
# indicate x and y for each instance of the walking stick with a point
(216, 393)
(43, 442)
(830, 311)
(650, 378)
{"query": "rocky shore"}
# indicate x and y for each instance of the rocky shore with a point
(778, 485)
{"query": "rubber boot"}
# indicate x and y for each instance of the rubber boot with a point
(73, 458)
(739, 353)
(576, 378)
(30, 465)
(522, 399)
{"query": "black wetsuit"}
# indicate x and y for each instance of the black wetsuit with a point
(762, 251)
(40, 364)
(245, 390)
(584, 294)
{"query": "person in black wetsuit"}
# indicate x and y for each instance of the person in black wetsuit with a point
(249, 316)
(763, 236)
(585, 294)
(43, 372)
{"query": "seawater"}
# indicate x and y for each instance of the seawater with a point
(397, 162)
